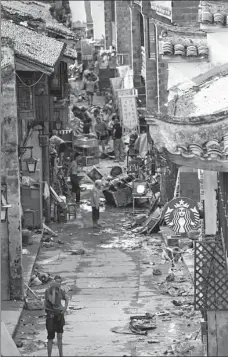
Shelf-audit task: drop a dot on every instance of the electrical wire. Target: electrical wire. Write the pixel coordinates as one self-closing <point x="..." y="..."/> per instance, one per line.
<point x="32" y="85"/>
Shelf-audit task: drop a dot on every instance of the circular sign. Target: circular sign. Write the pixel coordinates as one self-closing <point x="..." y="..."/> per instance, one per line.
<point x="182" y="215"/>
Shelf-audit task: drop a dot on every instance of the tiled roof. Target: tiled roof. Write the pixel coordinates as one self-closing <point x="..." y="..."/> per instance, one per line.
<point x="31" y="45"/>
<point x="213" y="12"/>
<point x="208" y="98"/>
<point x="197" y="135"/>
<point x="34" y="11"/>
<point x="184" y="46"/>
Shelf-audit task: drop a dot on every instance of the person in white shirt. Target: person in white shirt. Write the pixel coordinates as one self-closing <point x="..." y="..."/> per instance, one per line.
<point x="95" y="203"/>
<point x="60" y="144"/>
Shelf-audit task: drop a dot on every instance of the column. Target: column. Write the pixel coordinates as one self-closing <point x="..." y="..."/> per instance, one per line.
<point x="11" y="162"/>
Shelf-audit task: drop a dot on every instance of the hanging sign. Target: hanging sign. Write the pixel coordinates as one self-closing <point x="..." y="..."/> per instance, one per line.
<point x="86" y="49"/>
<point x="124" y="92"/>
<point x="128" y="113"/>
<point x="182" y="215"/>
<point x="122" y="70"/>
<point x="116" y="83"/>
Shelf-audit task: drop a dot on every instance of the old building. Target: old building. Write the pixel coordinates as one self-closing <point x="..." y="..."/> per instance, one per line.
<point x="35" y="53"/>
<point x="144" y="22"/>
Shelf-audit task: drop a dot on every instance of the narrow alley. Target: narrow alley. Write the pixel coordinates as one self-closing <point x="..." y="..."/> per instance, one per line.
<point x="112" y="281"/>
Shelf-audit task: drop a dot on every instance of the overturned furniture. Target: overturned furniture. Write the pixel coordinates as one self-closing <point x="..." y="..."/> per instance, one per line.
<point x="89" y="150"/>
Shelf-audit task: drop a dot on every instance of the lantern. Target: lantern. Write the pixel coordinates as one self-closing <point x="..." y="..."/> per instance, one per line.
<point x="31" y="162"/>
<point x="58" y="124"/>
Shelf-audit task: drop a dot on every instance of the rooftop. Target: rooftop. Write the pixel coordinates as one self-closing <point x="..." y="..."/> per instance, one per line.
<point x="34" y="11"/>
<point x="203" y="99"/>
<point x="32" y="46"/>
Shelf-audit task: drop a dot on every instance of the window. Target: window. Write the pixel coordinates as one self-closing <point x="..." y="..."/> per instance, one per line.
<point x="25" y="95"/>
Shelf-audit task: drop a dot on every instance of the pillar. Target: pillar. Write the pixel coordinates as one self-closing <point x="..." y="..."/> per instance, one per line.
<point x="210" y="202"/>
<point x="123" y="28"/>
<point x="136" y="46"/>
<point x="151" y="66"/>
<point x="11" y="170"/>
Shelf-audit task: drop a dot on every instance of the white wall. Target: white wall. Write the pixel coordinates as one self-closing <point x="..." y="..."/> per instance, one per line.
<point x="218" y="45"/>
<point x="184" y="72"/>
<point x="97" y="8"/>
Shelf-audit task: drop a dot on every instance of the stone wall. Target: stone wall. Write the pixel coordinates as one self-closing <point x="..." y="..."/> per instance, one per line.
<point x="10" y="169"/>
<point x="185" y="13"/>
<point x="123" y="25"/>
<point x="156" y="73"/>
<point x="108" y="23"/>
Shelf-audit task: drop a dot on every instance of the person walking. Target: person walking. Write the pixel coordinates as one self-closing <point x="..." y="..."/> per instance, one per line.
<point x="73" y="173"/>
<point x="55" y="311"/>
<point x="102" y="132"/>
<point x="118" y="143"/>
<point x="90" y="89"/>
<point x="95" y="203"/>
<point x="58" y="143"/>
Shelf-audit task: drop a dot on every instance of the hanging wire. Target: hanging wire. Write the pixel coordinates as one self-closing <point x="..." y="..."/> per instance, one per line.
<point x="32" y="85"/>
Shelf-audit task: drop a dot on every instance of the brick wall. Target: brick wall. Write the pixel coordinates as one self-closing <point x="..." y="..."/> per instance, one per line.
<point x="136" y="45"/>
<point x="185" y="13"/>
<point x="108" y="23"/>
<point x="123" y="25"/>
<point x="154" y="81"/>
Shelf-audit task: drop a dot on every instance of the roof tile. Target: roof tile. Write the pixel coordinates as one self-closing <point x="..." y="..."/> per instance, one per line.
<point x="31" y="45"/>
<point x="34" y="10"/>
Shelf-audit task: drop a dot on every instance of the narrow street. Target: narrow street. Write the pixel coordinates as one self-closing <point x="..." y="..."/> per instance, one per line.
<point x="110" y="282"/>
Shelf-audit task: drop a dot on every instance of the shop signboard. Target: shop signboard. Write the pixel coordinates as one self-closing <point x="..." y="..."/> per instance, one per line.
<point x="128" y="113"/>
<point x="182" y="215"/>
<point x="87" y="50"/>
<point x="123" y="92"/>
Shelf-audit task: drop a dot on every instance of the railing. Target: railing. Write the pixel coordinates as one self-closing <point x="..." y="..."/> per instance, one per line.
<point x="114" y="34"/>
<point x="143" y="63"/>
<point x="223" y="209"/>
<point x="122" y="59"/>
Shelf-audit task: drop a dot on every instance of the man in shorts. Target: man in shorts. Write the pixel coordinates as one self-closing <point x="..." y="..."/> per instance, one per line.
<point x="55" y="313"/>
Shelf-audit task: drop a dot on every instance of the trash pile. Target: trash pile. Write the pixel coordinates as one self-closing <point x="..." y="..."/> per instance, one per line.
<point x="138" y="325"/>
<point x="39" y="277"/>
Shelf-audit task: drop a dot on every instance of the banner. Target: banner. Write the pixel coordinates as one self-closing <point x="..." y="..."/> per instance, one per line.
<point x="116" y="83"/>
<point x="122" y="70"/>
<point x="87" y="50"/>
<point x="128" y="113"/>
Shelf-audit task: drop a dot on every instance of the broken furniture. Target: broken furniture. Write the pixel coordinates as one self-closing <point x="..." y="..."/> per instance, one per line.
<point x="88" y="149"/>
<point x="139" y="190"/>
<point x="72" y="210"/>
<point x="60" y="207"/>
<point x="31" y="201"/>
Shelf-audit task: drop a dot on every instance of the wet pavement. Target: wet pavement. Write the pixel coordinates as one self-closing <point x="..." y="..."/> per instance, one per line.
<point x="112" y="281"/>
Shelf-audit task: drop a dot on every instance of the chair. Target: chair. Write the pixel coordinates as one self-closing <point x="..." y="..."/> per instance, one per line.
<point x="72" y="210"/>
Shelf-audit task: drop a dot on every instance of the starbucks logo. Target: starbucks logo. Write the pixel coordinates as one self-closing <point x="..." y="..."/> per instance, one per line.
<point x="182" y="215"/>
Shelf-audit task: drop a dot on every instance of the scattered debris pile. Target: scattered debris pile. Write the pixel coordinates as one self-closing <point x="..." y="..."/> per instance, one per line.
<point x="138" y="325"/>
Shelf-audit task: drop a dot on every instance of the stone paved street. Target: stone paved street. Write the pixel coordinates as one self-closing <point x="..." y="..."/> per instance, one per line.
<point x="108" y="285"/>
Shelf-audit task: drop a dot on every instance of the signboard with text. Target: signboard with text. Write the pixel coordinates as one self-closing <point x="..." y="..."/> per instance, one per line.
<point x="128" y="113"/>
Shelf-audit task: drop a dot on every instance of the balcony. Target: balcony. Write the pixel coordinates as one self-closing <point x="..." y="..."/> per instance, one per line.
<point x="122" y="59"/>
<point x="114" y="42"/>
<point x="143" y="63"/>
